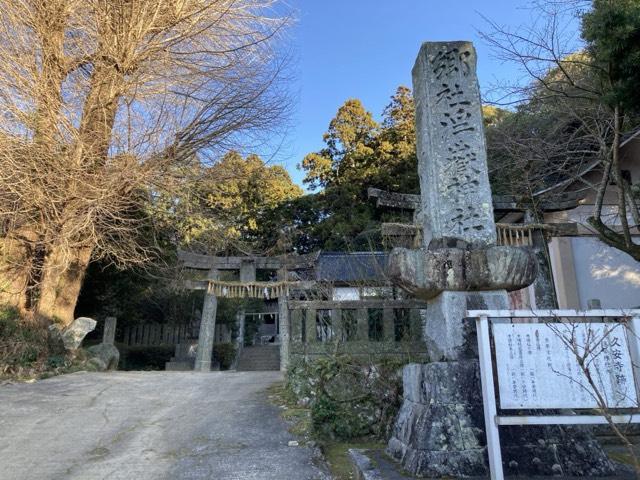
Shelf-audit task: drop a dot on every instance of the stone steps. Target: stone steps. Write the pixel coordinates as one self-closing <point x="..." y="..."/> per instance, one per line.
<point x="178" y="366"/>
<point x="259" y="358"/>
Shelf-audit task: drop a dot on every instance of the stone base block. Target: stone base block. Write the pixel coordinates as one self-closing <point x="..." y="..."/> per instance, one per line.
<point x="176" y="366"/>
<point x="440" y="431"/>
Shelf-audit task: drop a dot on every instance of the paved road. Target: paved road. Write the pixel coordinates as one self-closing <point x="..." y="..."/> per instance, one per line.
<point x="147" y="425"/>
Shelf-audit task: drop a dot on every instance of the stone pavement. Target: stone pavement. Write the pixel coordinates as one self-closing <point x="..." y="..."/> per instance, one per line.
<point x="148" y="425"/>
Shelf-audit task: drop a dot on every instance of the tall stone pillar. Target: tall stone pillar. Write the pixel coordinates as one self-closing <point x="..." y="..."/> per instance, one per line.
<point x="207" y="329"/>
<point x="284" y="322"/>
<point x="440" y="427"/>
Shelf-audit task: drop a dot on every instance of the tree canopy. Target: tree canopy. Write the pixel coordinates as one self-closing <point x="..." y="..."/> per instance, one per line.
<point x="226" y="207"/>
<point x="102" y="102"/>
<point x="573" y="112"/>
<point x="360" y="153"/>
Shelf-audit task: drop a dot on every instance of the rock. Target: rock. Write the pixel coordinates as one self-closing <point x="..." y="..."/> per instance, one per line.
<point x="73" y="335"/>
<point x="439" y="429"/>
<point x="293" y="443"/>
<point x="104" y="357"/>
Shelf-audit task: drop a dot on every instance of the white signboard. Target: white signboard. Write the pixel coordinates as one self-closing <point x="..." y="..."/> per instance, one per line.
<point x="537" y="369"/>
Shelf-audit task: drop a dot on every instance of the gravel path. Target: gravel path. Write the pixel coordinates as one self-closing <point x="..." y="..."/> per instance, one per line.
<point x="148" y="425"/>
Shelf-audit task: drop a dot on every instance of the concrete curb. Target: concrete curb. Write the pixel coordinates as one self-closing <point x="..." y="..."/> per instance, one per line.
<point x="363" y="466"/>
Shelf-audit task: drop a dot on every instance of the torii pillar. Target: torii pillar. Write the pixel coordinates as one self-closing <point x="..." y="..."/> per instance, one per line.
<point x="283" y="322"/>
<point x="207" y="327"/>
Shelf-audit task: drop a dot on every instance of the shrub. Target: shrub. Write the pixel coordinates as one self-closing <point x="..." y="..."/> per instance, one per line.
<point x="349" y="398"/>
<point x="224" y="353"/>
<point x="23" y="344"/>
<point x="144" y="357"/>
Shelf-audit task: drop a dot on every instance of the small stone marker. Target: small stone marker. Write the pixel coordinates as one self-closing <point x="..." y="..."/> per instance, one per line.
<point x="109" y="333"/>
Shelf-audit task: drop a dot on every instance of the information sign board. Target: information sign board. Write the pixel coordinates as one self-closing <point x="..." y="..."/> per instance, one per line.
<point x="537" y="365"/>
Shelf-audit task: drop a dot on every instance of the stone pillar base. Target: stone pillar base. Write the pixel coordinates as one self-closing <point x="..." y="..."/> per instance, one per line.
<point x="440" y="431"/>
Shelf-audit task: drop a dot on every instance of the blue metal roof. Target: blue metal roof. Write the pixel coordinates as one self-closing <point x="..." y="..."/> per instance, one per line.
<point x="351" y="267"/>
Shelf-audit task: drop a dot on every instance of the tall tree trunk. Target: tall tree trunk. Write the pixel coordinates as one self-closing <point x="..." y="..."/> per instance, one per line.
<point x="64" y="273"/>
<point x="64" y="268"/>
<point x="21" y="252"/>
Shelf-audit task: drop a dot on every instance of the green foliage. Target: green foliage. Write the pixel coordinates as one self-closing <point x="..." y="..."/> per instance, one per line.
<point x="612" y="32"/>
<point x="224" y="353"/>
<point x="135" y="297"/>
<point x="56" y="361"/>
<point x="144" y="357"/>
<point x="349" y="398"/>
<point x="337" y="419"/>
<point x="359" y="153"/>
<point x="566" y="123"/>
<point x="225" y="206"/>
<point x="349" y="148"/>
<point x="540" y="145"/>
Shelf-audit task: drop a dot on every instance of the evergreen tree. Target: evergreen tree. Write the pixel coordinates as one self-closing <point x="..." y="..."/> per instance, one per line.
<point x="612" y="32"/>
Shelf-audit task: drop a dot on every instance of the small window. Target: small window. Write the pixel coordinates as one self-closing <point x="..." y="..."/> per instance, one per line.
<point x="376" y="326"/>
<point x="349" y="325"/>
<point x="401" y="324"/>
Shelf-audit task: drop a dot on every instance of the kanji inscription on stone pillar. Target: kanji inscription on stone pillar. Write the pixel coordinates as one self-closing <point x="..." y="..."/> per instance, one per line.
<point x="452" y="159"/>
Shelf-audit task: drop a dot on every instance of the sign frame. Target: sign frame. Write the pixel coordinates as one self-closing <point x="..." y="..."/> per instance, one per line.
<point x="491" y="418"/>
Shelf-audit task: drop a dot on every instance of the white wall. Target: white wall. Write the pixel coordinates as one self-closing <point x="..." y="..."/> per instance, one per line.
<point x="346" y="293"/>
<point x="605" y="273"/>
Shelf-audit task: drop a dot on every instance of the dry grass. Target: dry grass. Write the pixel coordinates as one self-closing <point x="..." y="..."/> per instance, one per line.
<point x="23" y="346"/>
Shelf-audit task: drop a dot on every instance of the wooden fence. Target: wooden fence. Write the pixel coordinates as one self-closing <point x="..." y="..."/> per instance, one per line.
<point x="515" y="235"/>
<point x="152" y="334"/>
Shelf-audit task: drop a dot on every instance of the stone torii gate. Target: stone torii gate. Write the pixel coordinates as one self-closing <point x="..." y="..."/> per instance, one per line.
<point x="246" y="287"/>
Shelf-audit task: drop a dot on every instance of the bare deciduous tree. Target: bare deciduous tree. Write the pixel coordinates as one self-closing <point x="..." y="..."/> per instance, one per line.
<point x="579" y="127"/>
<point x="101" y="101"/>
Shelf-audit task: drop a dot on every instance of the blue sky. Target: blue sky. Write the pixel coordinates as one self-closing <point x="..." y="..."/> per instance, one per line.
<point x="366" y="48"/>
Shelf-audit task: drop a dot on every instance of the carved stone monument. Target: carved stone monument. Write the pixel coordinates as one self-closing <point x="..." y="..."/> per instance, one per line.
<point x="440" y="428"/>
